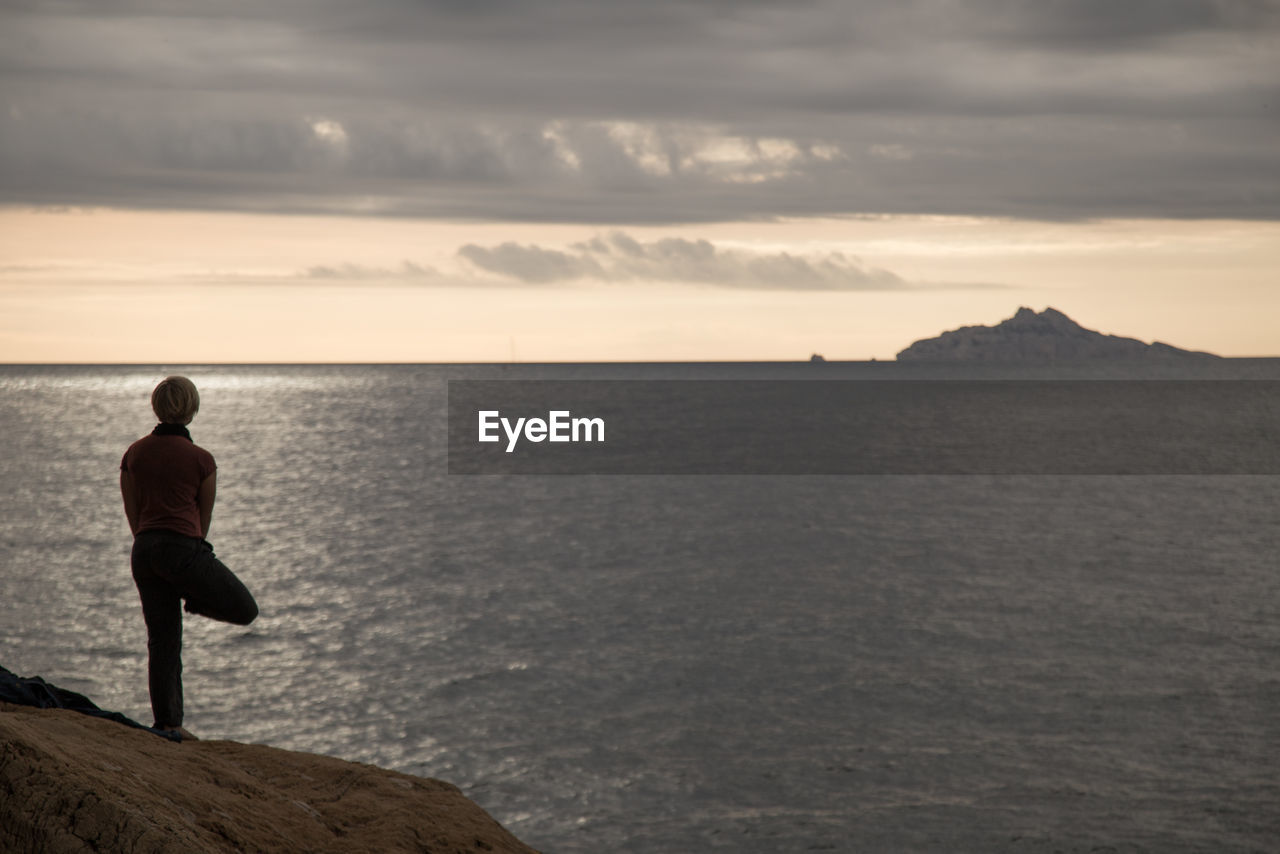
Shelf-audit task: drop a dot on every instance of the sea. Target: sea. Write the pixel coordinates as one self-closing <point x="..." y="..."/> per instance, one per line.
<point x="662" y="664"/>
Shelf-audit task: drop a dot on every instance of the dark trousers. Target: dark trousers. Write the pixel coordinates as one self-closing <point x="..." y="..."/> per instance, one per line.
<point x="169" y="568"/>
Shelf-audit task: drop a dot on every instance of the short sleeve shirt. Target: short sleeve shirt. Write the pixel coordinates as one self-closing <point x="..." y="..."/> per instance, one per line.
<point x="167" y="472"/>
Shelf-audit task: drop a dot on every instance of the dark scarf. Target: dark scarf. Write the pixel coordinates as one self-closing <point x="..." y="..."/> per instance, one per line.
<point x="172" y="430"/>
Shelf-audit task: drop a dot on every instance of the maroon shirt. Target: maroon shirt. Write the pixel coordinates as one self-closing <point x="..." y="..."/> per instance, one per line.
<point x="167" y="472"/>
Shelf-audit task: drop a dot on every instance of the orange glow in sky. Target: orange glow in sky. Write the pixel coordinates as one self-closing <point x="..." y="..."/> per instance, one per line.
<point x="123" y="286"/>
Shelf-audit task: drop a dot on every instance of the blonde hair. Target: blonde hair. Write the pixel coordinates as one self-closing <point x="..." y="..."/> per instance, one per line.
<point x="175" y="400"/>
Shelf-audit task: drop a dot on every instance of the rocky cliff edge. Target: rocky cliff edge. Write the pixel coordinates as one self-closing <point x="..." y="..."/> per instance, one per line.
<point x="73" y="783"/>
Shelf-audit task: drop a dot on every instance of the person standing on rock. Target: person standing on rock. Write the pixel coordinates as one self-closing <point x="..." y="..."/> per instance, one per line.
<point x="168" y="484"/>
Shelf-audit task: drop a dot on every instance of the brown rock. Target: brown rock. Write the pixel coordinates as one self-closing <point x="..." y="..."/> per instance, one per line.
<point x="74" y="783"/>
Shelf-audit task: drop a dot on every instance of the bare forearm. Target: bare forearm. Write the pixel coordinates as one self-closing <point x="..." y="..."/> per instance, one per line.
<point x="204" y="500"/>
<point x="130" y="496"/>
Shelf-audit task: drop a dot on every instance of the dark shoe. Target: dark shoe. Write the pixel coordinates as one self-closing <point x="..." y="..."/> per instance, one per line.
<point x="183" y="733"/>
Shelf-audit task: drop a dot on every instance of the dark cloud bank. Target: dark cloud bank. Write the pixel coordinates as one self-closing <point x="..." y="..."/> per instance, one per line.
<point x="653" y="112"/>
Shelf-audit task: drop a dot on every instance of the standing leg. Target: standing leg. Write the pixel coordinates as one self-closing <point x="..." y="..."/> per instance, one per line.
<point x="162" y="611"/>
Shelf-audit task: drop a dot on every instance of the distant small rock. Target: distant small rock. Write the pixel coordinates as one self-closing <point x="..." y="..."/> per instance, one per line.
<point x="816" y="357"/>
<point x="1049" y="336"/>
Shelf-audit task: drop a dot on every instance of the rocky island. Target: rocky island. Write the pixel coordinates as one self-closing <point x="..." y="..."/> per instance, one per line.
<point x="73" y="783"/>
<point x="1049" y="336"/>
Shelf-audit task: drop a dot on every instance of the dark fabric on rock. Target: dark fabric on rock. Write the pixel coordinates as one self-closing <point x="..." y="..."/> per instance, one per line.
<point x="34" y="691"/>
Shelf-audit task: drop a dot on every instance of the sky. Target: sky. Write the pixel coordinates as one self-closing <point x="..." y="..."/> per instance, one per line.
<point x="563" y="180"/>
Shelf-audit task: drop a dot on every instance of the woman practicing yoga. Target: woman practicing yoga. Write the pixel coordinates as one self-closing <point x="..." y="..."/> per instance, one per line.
<point x="168" y="483"/>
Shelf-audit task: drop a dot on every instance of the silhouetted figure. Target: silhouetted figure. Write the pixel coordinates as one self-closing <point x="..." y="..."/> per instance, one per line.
<point x="168" y="484"/>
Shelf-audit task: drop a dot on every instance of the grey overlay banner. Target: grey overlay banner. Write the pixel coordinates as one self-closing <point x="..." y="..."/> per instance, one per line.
<point x="865" y="427"/>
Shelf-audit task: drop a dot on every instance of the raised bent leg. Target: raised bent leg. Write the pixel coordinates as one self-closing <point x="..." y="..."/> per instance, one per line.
<point x="213" y="591"/>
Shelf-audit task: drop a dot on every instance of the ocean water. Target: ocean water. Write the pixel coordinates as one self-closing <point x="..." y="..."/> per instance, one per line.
<point x="678" y="663"/>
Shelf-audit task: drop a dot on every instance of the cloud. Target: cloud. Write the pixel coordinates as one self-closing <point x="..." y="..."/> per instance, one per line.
<point x="407" y="270"/>
<point x="533" y="263"/>
<point x="617" y="257"/>
<point x="1103" y="23"/>
<point x="659" y="112"/>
